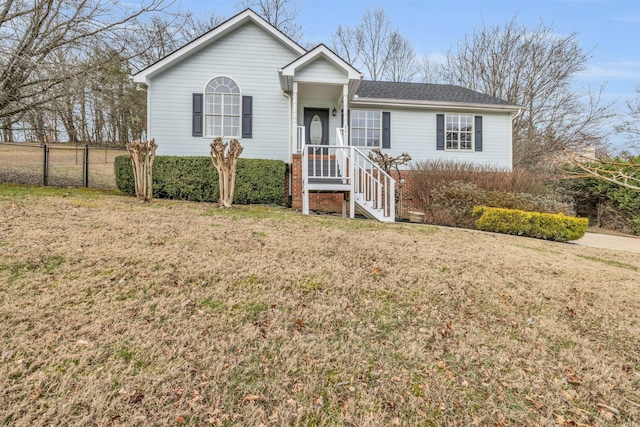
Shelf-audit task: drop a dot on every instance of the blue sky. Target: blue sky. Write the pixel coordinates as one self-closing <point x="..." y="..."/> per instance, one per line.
<point x="609" y="29"/>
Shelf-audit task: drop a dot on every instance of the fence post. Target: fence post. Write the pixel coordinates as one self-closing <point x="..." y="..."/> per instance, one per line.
<point x="85" y="167"/>
<point x="45" y="166"/>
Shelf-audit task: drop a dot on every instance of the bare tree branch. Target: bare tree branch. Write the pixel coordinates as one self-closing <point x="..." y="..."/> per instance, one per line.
<point x="282" y="14"/>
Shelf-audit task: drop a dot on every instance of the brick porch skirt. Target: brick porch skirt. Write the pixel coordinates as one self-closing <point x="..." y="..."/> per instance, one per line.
<point x="332" y="202"/>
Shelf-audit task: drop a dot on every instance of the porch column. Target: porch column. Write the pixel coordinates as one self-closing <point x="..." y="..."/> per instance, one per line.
<point x="345" y="108"/>
<point x="294" y="118"/>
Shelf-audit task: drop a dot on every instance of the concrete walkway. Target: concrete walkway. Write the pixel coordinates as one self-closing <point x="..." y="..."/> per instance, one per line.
<point x="605" y="241"/>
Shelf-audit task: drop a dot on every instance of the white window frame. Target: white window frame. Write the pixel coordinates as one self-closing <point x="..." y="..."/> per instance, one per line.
<point x="366" y="128"/>
<point x="459" y="132"/>
<point x="226" y="100"/>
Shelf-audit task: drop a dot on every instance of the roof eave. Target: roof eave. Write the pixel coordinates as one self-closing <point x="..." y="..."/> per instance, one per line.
<point x="433" y="104"/>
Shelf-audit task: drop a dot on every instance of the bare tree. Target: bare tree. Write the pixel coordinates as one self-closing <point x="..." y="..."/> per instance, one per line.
<point x="282" y="14"/>
<point x="374" y="34"/>
<point x="534" y="68"/>
<point x="374" y="47"/>
<point x="346" y="43"/>
<point x="630" y="126"/>
<point x="400" y="64"/>
<point x="163" y="33"/>
<point x="142" y="155"/>
<point x="225" y="160"/>
<point x="33" y="32"/>
<point x="430" y="71"/>
<point x="622" y="170"/>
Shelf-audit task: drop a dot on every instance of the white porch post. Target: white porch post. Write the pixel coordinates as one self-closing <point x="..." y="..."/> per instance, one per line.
<point x="345" y="108"/>
<point x="294" y="118"/>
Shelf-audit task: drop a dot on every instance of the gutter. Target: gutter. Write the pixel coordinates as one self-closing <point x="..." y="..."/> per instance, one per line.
<point x="357" y="101"/>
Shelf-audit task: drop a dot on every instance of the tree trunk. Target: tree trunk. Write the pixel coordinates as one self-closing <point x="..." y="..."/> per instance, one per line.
<point x="225" y="163"/>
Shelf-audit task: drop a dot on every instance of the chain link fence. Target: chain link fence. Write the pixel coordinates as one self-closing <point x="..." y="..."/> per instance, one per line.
<point x="59" y="165"/>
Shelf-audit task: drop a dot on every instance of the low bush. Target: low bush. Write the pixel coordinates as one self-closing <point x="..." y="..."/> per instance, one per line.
<point x="428" y="175"/>
<point x="452" y="203"/>
<point x="195" y="179"/>
<point x="558" y="227"/>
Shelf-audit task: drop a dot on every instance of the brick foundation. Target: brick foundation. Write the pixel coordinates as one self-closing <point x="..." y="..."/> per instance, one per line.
<point x="332" y="202"/>
<point x="321" y="202"/>
<point x="409" y="203"/>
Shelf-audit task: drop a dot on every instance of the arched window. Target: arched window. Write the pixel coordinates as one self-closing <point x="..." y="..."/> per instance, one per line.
<point x="222" y="108"/>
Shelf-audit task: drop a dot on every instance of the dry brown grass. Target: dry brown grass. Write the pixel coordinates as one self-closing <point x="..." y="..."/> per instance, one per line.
<point x="120" y="313"/>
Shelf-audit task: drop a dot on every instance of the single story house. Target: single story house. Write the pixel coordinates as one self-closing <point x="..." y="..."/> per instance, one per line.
<point x="245" y="79"/>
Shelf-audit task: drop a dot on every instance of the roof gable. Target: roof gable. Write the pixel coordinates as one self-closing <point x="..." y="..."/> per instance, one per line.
<point x="321" y="51"/>
<point x="216" y="33"/>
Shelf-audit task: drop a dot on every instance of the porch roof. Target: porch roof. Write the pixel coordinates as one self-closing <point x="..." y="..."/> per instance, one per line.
<point x="288" y="72"/>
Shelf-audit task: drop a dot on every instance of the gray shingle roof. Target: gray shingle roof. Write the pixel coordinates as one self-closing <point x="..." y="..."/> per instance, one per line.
<point x="425" y="92"/>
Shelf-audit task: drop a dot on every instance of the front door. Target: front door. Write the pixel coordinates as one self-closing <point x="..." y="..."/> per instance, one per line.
<point x="316" y="124"/>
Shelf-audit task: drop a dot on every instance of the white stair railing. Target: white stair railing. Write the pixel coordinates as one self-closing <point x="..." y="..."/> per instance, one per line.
<point x="370" y="187"/>
<point x="373" y="187"/>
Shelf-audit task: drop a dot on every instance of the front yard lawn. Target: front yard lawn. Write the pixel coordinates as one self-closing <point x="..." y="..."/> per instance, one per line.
<point x="114" y="312"/>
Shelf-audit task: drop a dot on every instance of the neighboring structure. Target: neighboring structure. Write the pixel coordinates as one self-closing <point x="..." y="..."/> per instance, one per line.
<point x="245" y="79"/>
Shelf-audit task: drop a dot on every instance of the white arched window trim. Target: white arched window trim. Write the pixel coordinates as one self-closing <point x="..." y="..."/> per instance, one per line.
<point x="222" y="108"/>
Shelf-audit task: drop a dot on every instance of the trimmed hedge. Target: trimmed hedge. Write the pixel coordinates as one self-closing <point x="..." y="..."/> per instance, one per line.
<point x="194" y="178"/>
<point x="558" y="227"/>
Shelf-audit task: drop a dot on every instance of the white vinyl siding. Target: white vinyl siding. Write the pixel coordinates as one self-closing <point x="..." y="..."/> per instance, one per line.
<point x="321" y="71"/>
<point x="251" y="57"/>
<point x="413" y="131"/>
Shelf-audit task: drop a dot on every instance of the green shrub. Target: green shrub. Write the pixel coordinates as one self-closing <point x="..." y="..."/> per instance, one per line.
<point x="558" y="227"/>
<point x="195" y="178"/>
<point x="607" y="204"/>
<point x="453" y="203"/>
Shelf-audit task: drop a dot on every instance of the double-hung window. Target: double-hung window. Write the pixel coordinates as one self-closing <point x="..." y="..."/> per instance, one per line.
<point x="459" y="132"/>
<point x="222" y="108"/>
<point x="366" y="128"/>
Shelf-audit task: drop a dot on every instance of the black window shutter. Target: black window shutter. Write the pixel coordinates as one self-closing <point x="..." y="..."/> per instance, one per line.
<point x="247" y="112"/>
<point x="386" y="129"/>
<point x="439" y="131"/>
<point x="478" y="131"/>
<point x="196" y="127"/>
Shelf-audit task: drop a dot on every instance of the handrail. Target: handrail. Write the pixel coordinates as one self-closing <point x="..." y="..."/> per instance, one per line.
<point x="370" y="185"/>
<point x="375" y="185"/>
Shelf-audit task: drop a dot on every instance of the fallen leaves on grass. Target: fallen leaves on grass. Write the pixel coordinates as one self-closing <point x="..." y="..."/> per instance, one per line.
<point x="36" y="394"/>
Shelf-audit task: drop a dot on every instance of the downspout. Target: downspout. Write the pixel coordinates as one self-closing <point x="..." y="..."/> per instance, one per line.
<point x="290" y="165"/>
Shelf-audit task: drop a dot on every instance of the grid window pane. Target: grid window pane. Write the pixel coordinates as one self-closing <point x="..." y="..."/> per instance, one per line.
<point x="452" y="140"/>
<point x="459" y="129"/>
<point x="223" y="108"/>
<point x="217" y="104"/>
<point x="365" y="128"/>
<point x="373" y="137"/>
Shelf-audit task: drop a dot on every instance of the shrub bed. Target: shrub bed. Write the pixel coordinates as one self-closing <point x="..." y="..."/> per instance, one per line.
<point x="452" y="203"/>
<point x="194" y="178"/>
<point x="447" y="191"/>
<point x="558" y="227"/>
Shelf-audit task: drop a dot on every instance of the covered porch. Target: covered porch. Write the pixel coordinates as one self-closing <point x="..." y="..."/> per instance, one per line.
<point x="320" y="86"/>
